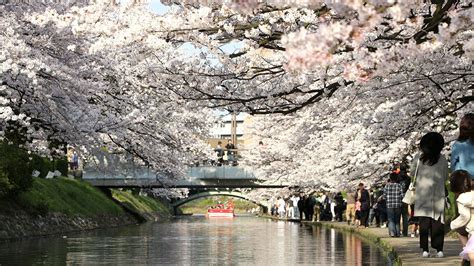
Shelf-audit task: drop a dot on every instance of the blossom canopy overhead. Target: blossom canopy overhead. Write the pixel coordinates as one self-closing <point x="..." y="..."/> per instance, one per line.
<point x="338" y="88"/>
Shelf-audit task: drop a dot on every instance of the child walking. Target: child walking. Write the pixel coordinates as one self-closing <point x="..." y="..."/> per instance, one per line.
<point x="461" y="185"/>
<point x="357" y="214"/>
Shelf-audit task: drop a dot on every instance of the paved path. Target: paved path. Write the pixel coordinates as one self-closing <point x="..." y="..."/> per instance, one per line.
<point x="406" y="248"/>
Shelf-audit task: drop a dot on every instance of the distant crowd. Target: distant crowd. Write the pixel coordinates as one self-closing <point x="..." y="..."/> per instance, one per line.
<point x="412" y="201"/>
<point x="362" y="207"/>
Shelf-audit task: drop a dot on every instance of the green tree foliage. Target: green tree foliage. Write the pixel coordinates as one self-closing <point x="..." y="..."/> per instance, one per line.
<point x="5" y="185"/>
<point x="15" y="169"/>
<point x="17" y="164"/>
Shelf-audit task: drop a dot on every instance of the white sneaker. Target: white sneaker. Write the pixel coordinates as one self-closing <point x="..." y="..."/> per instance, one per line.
<point x="426" y="254"/>
<point x="440" y="254"/>
<point x="412" y="235"/>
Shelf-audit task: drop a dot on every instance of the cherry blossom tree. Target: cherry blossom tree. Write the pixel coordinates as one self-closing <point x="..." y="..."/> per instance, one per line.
<point x="339" y="88"/>
<point x="55" y="90"/>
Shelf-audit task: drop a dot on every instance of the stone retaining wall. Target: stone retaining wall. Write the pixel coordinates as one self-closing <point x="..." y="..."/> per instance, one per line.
<point x="20" y="225"/>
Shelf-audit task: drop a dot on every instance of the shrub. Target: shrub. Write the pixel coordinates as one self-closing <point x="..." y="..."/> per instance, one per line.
<point x="15" y="169"/>
<point x="61" y="165"/>
<point x="5" y="185"/>
<point x="17" y="165"/>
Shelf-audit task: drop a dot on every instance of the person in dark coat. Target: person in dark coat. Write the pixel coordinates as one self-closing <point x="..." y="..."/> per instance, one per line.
<point x="302" y="206"/>
<point x="310" y="201"/>
<point x="380" y="210"/>
<point x="326" y="214"/>
<point x="404" y="180"/>
<point x="363" y="197"/>
<point x="339" y="206"/>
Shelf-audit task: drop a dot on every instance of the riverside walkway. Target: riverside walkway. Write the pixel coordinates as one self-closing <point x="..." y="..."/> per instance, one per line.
<point x="405" y="249"/>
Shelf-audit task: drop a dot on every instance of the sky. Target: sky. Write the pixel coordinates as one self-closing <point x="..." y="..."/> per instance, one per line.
<point x="157" y="7"/>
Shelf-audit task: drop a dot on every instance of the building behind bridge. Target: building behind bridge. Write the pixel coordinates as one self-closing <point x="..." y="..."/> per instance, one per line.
<point x="234" y="129"/>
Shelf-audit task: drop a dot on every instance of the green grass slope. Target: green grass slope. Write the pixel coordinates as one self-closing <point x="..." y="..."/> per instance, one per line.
<point x="63" y="195"/>
<point x="140" y="204"/>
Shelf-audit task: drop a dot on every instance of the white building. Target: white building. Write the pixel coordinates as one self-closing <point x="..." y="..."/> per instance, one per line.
<point x="222" y="130"/>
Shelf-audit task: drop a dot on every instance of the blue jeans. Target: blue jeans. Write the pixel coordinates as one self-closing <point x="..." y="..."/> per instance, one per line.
<point x="371" y="215"/>
<point x="393" y="215"/>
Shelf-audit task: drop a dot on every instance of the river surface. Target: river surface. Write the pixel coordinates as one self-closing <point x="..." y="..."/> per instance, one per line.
<point x="198" y="241"/>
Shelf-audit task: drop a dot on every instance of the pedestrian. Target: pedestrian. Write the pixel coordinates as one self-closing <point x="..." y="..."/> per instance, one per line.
<point x="413" y="221"/>
<point x="393" y="193"/>
<point x="274" y="210"/>
<point x="404" y="181"/>
<point x="350" y="209"/>
<point x="461" y="183"/>
<point x="339" y="208"/>
<point x="381" y="210"/>
<point x="75" y="160"/>
<point x="310" y="202"/>
<point x="374" y="212"/>
<point x="291" y="209"/>
<point x="219" y="153"/>
<point x="296" y="211"/>
<point x="301" y="205"/>
<point x="317" y="211"/>
<point x="325" y="208"/>
<point x="373" y="205"/>
<point x="332" y="204"/>
<point x="462" y="150"/>
<point x="431" y="170"/>
<point x="281" y="207"/>
<point x="357" y="214"/>
<point x="230" y="148"/>
<point x="364" y="198"/>
<point x="69" y="154"/>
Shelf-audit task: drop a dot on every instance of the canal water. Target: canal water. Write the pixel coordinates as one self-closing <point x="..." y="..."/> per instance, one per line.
<point x="198" y="241"/>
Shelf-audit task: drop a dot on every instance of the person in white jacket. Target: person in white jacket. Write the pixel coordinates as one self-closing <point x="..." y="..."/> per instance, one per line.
<point x="461" y="183"/>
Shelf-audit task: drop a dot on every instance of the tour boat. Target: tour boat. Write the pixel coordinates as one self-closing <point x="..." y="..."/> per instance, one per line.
<point x="220" y="211"/>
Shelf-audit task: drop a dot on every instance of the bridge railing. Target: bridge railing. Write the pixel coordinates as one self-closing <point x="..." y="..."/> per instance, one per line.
<point x="105" y="165"/>
<point x="195" y="172"/>
<point x="220" y="172"/>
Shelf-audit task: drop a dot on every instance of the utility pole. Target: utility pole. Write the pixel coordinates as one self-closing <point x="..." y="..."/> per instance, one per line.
<point x="233" y="129"/>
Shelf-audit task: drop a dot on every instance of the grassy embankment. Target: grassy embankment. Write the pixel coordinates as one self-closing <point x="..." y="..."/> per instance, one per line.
<point x="140" y="204"/>
<point x="74" y="197"/>
<point x="201" y="205"/>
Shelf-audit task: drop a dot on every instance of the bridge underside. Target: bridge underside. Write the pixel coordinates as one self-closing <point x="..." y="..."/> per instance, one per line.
<point x="201" y="184"/>
<point x="202" y="194"/>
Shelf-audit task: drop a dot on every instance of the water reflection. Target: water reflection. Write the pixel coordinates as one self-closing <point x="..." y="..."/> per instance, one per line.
<point x="199" y="241"/>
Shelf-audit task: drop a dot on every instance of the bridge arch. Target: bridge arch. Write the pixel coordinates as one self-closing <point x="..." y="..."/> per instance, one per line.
<point x="204" y="194"/>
